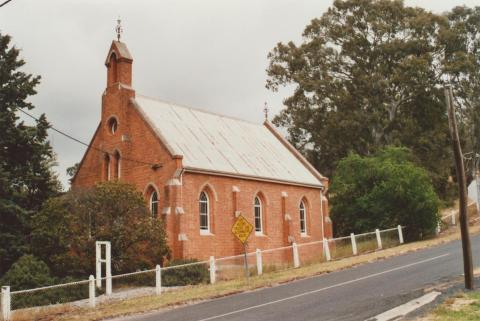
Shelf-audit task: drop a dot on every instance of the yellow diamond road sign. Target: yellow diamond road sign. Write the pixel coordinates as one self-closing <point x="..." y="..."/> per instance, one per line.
<point x="242" y="228"/>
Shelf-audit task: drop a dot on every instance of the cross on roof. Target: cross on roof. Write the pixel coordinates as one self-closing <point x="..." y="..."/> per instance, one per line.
<point x="119" y="28"/>
<point x="265" y="110"/>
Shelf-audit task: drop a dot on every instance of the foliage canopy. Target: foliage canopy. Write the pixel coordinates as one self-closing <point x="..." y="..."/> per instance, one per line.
<point x="367" y="75"/>
<point x="26" y="157"/>
<point x="382" y="191"/>
<point x="65" y="230"/>
<point x="460" y="39"/>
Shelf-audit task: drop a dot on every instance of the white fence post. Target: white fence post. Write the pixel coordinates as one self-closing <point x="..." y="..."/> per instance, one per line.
<point x="108" y="265"/>
<point x="258" y="253"/>
<point x="158" y="280"/>
<point x="296" y="258"/>
<point x="6" y="300"/>
<point x="91" y="291"/>
<point x="98" y="260"/>
<point x="400" y="234"/>
<point x="453" y="218"/>
<point x="326" y="249"/>
<point x="354" y="244"/>
<point x="213" y="268"/>
<point x="108" y="269"/>
<point x="379" y="239"/>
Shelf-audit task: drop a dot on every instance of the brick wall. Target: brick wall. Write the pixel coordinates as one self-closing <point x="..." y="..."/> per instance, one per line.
<point x="222" y="198"/>
<point x="178" y="193"/>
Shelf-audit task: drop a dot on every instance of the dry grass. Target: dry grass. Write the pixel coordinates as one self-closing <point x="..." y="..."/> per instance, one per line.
<point x="192" y="294"/>
<point x="463" y="306"/>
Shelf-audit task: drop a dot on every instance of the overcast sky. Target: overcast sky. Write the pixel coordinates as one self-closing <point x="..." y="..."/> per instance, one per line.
<point x="210" y="54"/>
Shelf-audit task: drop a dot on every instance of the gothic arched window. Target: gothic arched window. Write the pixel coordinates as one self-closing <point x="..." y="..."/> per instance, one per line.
<point x="258" y="215"/>
<point x="204" y="210"/>
<point x="303" y="218"/>
<point x="154" y="203"/>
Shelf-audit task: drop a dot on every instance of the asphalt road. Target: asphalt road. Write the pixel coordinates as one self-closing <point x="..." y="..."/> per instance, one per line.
<point x="354" y="294"/>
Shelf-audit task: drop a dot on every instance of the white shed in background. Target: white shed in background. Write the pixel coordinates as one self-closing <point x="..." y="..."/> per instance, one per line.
<point x="474" y="191"/>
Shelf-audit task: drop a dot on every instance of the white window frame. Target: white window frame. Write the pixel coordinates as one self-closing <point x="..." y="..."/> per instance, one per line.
<point x="303" y="217"/>
<point x="119" y="167"/>
<point x="112" y="125"/>
<point x="203" y="230"/>
<point x="258" y="207"/>
<point x="154" y="192"/>
<point x="113" y="128"/>
<point x="108" y="160"/>
<point x="118" y="163"/>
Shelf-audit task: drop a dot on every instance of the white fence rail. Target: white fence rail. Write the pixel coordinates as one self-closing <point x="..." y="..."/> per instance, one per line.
<point x="451" y="218"/>
<point x="149" y="282"/>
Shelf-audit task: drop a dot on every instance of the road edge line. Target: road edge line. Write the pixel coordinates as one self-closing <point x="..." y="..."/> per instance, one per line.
<point x="404" y="309"/>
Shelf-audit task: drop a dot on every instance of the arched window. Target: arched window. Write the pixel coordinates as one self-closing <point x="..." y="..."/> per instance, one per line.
<point x="258" y="211"/>
<point x="112" y="125"/>
<point x="112" y="70"/>
<point x="117" y="165"/>
<point x="204" y="213"/>
<point x="303" y="218"/>
<point x="106" y="167"/>
<point x="154" y="203"/>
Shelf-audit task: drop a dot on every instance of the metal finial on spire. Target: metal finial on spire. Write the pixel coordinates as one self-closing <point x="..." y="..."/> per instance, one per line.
<point x="119" y="28"/>
<point x="265" y="110"/>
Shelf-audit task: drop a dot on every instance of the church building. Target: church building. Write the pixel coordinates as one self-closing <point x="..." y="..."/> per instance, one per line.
<point x="199" y="171"/>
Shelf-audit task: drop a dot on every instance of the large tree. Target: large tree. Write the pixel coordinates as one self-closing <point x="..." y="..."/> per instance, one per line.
<point x="65" y="230"/>
<point x="26" y="157"/>
<point x="365" y="76"/>
<point x="461" y="67"/>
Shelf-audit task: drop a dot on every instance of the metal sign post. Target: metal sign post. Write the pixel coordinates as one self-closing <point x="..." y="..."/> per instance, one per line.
<point x="242" y="230"/>
<point x="247" y="274"/>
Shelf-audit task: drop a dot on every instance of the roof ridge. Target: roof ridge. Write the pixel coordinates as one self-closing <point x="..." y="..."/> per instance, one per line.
<point x="200" y="110"/>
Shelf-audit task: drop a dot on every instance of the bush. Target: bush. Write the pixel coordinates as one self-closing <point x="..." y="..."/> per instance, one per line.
<point x="29" y="273"/>
<point x="189" y="275"/>
<point x="65" y="230"/>
<point x="382" y="191"/>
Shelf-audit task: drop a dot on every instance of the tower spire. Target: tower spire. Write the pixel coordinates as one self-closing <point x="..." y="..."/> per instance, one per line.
<point x="119" y="28"/>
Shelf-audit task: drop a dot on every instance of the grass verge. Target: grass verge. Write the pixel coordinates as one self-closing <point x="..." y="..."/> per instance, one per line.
<point x="194" y="294"/>
<point x="463" y="306"/>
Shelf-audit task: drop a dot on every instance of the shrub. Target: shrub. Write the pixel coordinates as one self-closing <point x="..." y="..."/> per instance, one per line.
<point x="65" y="230"/>
<point x="382" y="191"/>
<point x="29" y="273"/>
<point x="189" y="275"/>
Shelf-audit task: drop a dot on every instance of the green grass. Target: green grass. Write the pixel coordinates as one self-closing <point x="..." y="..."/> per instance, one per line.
<point x="463" y="307"/>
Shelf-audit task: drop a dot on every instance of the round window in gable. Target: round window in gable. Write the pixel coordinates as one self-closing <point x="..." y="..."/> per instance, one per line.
<point x="112" y="125"/>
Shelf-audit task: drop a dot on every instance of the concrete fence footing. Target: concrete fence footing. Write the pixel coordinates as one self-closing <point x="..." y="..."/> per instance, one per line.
<point x="6" y="303"/>
<point x="258" y="254"/>
<point x="158" y="280"/>
<point x="213" y="268"/>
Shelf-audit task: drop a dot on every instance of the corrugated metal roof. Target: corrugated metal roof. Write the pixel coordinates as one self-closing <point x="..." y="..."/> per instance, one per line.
<point x="224" y="144"/>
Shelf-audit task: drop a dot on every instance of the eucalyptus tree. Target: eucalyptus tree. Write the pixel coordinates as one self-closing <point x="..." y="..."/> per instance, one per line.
<point x="461" y="67"/>
<point x="366" y="75"/>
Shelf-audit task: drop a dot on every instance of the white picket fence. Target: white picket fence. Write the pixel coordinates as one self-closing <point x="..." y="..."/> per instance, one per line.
<point x="219" y="268"/>
<point x="451" y="218"/>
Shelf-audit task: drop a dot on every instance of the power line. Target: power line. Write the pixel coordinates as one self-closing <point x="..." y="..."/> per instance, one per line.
<point x="153" y="165"/>
<point x="4" y="3"/>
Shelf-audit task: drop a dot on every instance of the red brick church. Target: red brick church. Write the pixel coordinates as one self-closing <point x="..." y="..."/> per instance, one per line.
<point x="198" y="170"/>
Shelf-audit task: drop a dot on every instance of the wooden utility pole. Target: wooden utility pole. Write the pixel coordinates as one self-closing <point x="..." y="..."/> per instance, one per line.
<point x="462" y="188"/>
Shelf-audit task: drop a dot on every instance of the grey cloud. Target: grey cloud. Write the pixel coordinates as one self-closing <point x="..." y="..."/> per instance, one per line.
<point x="209" y="54"/>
